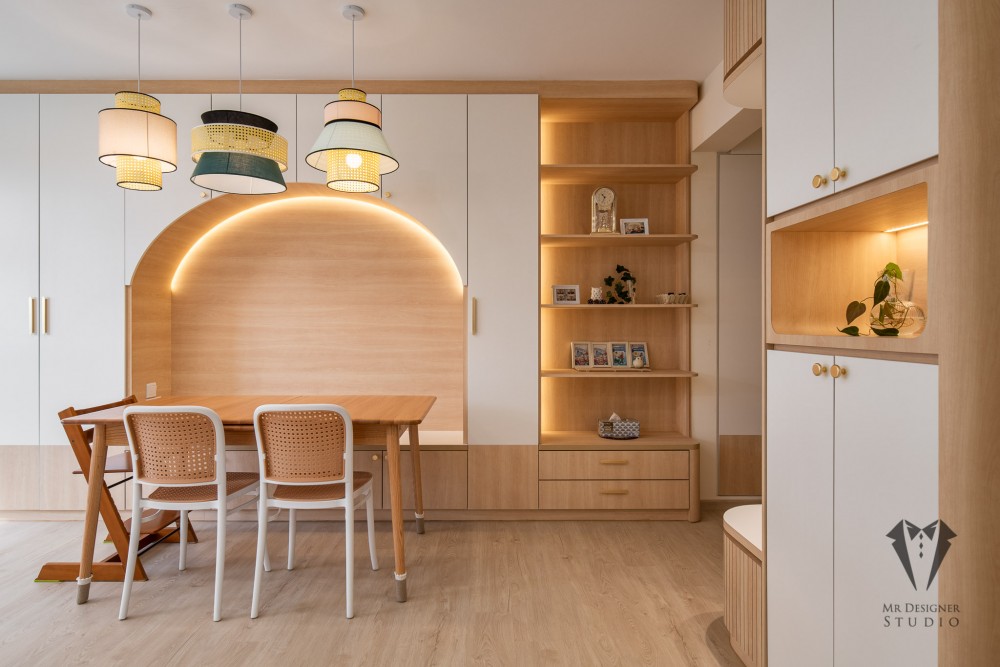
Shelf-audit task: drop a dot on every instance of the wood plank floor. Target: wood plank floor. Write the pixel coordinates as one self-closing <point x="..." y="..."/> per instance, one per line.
<point x="481" y="593"/>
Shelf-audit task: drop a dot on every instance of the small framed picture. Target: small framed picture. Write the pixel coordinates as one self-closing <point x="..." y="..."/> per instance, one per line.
<point x="581" y="355"/>
<point x="619" y="355"/>
<point x="637" y="351"/>
<point x="635" y="226"/>
<point x="565" y="295"/>
<point x="600" y="355"/>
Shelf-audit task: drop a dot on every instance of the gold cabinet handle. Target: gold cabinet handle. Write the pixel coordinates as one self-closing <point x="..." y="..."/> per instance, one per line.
<point x="615" y="492"/>
<point x="838" y="173"/>
<point x="32" y="324"/>
<point x="614" y="462"/>
<point x="819" y="181"/>
<point x="45" y="315"/>
<point x="387" y="194"/>
<point x="475" y="316"/>
<point x="818" y="369"/>
<point x="837" y="371"/>
<point x="374" y="457"/>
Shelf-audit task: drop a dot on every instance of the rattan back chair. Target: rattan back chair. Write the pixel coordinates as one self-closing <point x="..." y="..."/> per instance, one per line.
<point x="306" y="455"/>
<point x="182" y="452"/>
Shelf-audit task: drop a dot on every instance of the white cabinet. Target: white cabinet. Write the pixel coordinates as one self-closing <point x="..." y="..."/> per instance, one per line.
<point x="19" y="264"/>
<point x="847" y="461"/>
<point x="81" y="263"/>
<point x="799" y="511"/>
<point x="851" y="84"/>
<point x="502" y="394"/>
<point x="428" y="134"/>
<point x="149" y="213"/>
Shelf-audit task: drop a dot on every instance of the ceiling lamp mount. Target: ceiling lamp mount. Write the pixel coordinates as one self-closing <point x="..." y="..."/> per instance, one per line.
<point x="133" y="137"/>
<point x="238" y="152"/>
<point x="351" y="148"/>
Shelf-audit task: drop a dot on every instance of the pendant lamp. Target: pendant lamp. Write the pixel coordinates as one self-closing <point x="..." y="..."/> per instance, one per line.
<point x="351" y="148"/>
<point x="133" y="137"/>
<point x="237" y="152"/>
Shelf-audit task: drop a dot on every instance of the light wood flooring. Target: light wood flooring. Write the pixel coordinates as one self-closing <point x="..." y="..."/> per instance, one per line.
<point x="481" y="593"/>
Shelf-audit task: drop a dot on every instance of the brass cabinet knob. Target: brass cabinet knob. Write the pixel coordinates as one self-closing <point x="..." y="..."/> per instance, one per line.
<point x="374" y="457"/>
<point x="838" y="173"/>
<point x="387" y="194"/>
<point x="819" y="181"/>
<point x="819" y="369"/>
<point x="837" y="371"/>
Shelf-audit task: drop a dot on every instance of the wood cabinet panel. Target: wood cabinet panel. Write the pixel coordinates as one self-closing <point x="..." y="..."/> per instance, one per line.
<point x="503" y="477"/>
<point x="612" y="464"/>
<point x="445" y="477"/>
<point x="613" y="495"/>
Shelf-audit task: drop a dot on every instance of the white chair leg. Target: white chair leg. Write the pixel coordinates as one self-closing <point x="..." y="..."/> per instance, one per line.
<point x="261" y="556"/>
<point x="349" y="548"/>
<point x="133" y="550"/>
<point x="184" y="540"/>
<point x="291" y="539"/>
<point x="370" y="510"/>
<point x="220" y="559"/>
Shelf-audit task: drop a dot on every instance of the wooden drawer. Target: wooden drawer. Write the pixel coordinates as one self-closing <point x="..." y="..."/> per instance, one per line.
<point x="613" y="495"/>
<point x="611" y="464"/>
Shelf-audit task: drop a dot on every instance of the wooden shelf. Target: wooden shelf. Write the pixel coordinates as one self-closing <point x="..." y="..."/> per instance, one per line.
<point x="614" y="240"/>
<point x="615" y="374"/>
<point x="619" y="306"/>
<point x="655" y="440"/>
<point x="595" y="174"/>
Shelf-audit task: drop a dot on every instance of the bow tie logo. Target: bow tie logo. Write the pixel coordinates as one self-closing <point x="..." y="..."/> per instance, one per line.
<point x="904" y="529"/>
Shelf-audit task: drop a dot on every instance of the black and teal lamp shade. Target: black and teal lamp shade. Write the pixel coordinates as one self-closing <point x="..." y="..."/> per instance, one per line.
<point x="238" y="153"/>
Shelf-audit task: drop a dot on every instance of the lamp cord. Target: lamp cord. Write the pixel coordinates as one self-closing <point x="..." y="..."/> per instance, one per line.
<point x="138" y="68"/>
<point x="353" y="53"/>
<point x="241" y="62"/>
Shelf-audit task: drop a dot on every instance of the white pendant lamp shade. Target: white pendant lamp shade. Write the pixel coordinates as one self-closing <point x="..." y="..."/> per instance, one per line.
<point x="134" y="138"/>
<point x="351" y="148"/>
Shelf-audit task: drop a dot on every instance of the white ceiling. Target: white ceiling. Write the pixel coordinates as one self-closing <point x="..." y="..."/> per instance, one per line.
<point x="399" y="39"/>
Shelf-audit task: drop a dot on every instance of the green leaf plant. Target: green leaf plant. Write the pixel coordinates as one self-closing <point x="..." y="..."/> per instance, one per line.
<point x="618" y="291"/>
<point x="888" y="314"/>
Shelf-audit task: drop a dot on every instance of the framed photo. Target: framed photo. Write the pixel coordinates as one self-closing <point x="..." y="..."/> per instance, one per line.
<point x="581" y="355"/>
<point x="600" y="355"/>
<point x="638" y="351"/>
<point x="565" y="295"/>
<point x="635" y="226"/>
<point x="619" y="355"/>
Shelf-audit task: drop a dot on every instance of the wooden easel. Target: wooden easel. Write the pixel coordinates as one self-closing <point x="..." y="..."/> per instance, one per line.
<point x="157" y="527"/>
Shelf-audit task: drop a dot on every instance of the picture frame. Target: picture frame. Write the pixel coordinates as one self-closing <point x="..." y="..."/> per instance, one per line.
<point x="579" y="355"/>
<point x="619" y="355"/>
<point x="600" y="355"/>
<point x="630" y="226"/>
<point x="638" y="349"/>
<point x="565" y="295"/>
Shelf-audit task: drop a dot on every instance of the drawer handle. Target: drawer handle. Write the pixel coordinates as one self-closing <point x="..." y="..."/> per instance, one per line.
<point x="374" y="457"/>
<point x="614" y="462"/>
<point x="615" y="492"/>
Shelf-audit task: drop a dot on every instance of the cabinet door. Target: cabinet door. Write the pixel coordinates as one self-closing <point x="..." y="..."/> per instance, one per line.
<point x="886" y="471"/>
<point x="799" y="90"/>
<point x="799" y="511"/>
<point x="428" y="135"/>
<point x="19" y="269"/>
<point x="886" y="85"/>
<point x="503" y="269"/>
<point x="279" y="109"/>
<point x="149" y="213"/>
<point x="82" y="263"/>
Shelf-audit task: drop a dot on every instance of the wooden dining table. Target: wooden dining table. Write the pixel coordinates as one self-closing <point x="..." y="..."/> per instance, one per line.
<point x="378" y="420"/>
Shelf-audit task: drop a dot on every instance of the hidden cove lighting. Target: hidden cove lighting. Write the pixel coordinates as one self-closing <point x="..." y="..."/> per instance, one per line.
<point x="133" y="137"/>
<point x="351" y="148"/>
<point x="237" y="152"/>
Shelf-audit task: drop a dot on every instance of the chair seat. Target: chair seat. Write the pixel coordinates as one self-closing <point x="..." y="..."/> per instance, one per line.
<point x="320" y="491"/>
<point x="235" y="481"/>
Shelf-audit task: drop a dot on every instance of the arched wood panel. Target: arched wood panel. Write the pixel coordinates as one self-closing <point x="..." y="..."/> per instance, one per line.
<point x="306" y="292"/>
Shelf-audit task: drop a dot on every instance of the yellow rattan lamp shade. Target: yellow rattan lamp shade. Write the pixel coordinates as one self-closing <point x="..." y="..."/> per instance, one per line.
<point x="139" y="142"/>
<point x="353" y="171"/>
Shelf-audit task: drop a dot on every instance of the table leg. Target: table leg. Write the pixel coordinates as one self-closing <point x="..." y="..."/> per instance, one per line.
<point x="98" y="461"/>
<point x="396" y="505"/>
<point x="418" y="491"/>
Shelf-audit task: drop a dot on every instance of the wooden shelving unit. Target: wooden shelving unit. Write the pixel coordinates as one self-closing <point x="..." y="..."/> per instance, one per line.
<point x="640" y="148"/>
